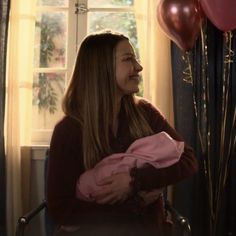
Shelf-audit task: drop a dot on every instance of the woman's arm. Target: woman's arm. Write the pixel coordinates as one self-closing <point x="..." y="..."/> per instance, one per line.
<point x="149" y="177"/>
<point x="64" y="167"/>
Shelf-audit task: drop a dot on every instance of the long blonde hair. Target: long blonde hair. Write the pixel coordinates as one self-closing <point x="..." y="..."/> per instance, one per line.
<point x="90" y="97"/>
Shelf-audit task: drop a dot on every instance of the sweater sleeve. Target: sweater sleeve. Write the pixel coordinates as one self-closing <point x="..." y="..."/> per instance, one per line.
<point x="64" y="167"/>
<point x="149" y="177"/>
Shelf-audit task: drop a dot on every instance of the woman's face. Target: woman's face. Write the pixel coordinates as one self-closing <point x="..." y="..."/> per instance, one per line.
<point x="127" y="69"/>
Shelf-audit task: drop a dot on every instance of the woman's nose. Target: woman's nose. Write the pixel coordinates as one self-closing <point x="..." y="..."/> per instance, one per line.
<point x="138" y="66"/>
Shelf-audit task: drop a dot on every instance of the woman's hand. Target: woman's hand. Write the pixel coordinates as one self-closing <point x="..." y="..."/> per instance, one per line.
<point x="150" y="197"/>
<point x="115" y="189"/>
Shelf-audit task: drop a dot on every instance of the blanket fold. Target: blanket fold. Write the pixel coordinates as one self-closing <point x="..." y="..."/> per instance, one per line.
<point x="158" y="150"/>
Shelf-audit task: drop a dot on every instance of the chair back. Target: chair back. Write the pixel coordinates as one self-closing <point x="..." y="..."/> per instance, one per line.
<point x="49" y="224"/>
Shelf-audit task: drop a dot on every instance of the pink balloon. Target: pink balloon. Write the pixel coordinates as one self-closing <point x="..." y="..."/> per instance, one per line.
<point x="222" y="13"/>
<point x="181" y="20"/>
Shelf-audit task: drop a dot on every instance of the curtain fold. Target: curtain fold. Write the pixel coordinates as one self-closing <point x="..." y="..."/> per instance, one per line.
<point x="154" y="49"/>
<point x="19" y="102"/>
<point x="186" y="197"/>
<point x="12" y="132"/>
<point x="210" y="128"/>
<point x="4" y="17"/>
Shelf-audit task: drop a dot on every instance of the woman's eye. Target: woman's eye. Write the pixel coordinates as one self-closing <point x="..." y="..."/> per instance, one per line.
<point x="128" y="59"/>
<point x="131" y="59"/>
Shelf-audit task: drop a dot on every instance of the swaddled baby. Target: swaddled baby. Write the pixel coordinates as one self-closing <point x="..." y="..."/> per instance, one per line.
<point x="158" y="150"/>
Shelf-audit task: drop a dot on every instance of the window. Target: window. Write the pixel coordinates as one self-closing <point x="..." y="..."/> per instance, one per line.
<point x="50" y="65"/>
<point x="59" y="28"/>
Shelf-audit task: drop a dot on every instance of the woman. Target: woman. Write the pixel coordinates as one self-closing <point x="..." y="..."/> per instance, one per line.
<point x="102" y="117"/>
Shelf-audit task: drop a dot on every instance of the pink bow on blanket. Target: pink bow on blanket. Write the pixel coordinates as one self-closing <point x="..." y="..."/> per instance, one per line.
<point x="158" y="150"/>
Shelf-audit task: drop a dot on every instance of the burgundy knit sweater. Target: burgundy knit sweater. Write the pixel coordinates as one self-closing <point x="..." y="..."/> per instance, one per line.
<point x="66" y="165"/>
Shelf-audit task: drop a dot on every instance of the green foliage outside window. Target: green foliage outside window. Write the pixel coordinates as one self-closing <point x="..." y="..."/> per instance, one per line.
<point x="122" y="2"/>
<point x="45" y="95"/>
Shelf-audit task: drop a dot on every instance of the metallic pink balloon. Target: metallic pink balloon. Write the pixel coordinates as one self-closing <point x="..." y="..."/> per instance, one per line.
<point x="222" y="13"/>
<point x="181" y="20"/>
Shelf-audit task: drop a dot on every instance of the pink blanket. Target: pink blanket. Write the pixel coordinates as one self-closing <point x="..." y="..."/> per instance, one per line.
<point x="158" y="150"/>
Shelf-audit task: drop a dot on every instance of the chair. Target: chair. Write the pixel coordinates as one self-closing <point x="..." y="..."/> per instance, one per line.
<point x="27" y="218"/>
<point x="181" y="223"/>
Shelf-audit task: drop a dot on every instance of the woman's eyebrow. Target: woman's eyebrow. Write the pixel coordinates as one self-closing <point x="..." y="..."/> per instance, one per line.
<point x="128" y="54"/>
<point x="125" y="54"/>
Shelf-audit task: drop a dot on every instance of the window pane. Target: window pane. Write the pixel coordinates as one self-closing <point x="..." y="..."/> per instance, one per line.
<point x="48" y="89"/>
<point x="121" y="22"/>
<point x="50" y="40"/>
<point x="110" y="3"/>
<point x="56" y="3"/>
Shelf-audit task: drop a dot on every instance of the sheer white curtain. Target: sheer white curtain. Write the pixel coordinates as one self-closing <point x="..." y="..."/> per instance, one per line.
<point x="19" y="101"/>
<point x="155" y="57"/>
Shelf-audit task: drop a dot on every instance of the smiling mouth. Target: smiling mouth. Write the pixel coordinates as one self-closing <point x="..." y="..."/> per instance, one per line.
<point x="136" y="77"/>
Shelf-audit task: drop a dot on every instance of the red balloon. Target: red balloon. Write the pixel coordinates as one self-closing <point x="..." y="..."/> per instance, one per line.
<point x="222" y="13"/>
<point x="181" y="20"/>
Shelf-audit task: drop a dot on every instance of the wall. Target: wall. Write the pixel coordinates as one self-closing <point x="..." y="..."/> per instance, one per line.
<point x="33" y="161"/>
